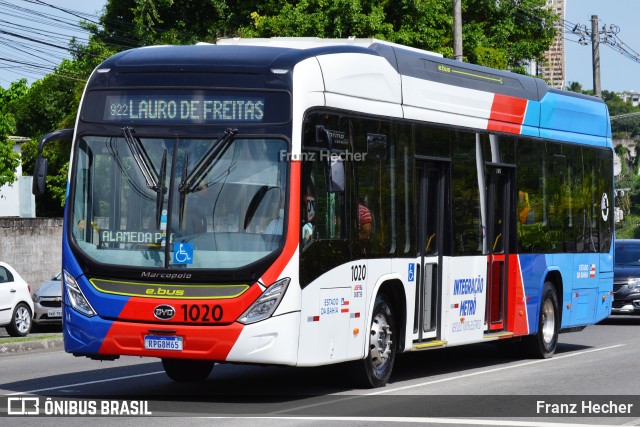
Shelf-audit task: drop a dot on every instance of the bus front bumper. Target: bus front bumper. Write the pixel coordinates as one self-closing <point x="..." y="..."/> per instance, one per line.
<point x="271" y="341"/>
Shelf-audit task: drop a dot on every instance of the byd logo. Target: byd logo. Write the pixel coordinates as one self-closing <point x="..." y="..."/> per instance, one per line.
<point x="164" y="312"/>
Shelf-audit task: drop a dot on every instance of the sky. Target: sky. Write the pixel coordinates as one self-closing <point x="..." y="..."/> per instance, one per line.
<point x="617" y="72"/>
<point x="20" y="57"/>
<point x="34" y="35"/>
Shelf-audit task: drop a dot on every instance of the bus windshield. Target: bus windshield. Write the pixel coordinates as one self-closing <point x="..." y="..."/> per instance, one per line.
<point x="172" y="202"/>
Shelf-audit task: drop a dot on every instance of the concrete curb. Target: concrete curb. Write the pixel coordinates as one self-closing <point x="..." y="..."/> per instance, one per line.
<point x="12" y="348"/>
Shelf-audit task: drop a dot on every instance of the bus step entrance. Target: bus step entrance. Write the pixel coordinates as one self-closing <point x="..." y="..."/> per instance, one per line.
<point x="429" y="345"/>
<point x="497" y="335"/>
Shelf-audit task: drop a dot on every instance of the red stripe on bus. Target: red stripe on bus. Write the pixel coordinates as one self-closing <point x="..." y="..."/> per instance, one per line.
<point x="199" y="342"/>
<point x="517" y="305"/>
<point x="293" y="228"/>
<point x="507" y="114"/>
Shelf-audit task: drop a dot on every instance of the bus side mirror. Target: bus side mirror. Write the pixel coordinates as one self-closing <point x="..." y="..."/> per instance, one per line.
<point x="40" y="167"/>
<point x="39" y="176"/>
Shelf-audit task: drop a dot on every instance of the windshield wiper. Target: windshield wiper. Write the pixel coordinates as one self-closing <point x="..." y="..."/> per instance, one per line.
<point x="142" y="159"/>
<point x="149" y="173"/>
<point x="161" y="189"/>
<point x="191" y="182"/>
<point x="183" y="179"/>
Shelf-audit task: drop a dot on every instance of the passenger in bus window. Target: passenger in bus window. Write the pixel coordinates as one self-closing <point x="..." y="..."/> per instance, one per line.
<point x="275" y="225"/>
<point x="308" y="214"/>
<point x="365" y="222"/>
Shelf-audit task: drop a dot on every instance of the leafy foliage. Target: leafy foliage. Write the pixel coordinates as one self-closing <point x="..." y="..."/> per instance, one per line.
<point x="502" y="34"/>
<point x="9" y="159"/>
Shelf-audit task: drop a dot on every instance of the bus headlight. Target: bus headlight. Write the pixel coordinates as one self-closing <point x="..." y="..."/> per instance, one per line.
<point x="77" y="300"/>
<point x="264" y="306"/>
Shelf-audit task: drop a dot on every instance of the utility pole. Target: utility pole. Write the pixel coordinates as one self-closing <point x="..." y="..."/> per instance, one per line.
<point x="457" y="30"/>
<point x="595" y="49"/>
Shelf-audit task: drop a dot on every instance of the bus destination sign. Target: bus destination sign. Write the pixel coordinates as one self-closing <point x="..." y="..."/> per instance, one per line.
<point x="184" y="109"/>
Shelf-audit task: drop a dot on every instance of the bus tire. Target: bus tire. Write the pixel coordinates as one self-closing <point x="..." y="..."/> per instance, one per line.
<point x="542" y="345"/>
<point x="20" y="321"/>
<point x="184" y="370"/>
<point x="376" y="368"/>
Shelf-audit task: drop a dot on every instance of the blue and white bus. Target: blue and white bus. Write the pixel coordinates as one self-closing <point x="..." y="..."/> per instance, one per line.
<point x="306" y="202"/>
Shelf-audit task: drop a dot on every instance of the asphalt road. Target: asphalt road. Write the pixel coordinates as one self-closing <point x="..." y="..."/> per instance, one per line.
<point x="482" y="384"/>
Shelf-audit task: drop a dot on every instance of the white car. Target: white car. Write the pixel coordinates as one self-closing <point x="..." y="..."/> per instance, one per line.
<point x="16" y="305"/>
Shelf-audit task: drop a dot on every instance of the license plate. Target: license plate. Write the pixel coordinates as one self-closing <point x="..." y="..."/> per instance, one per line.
<point x="54" y="313"/>
<point x="152" y="342"/>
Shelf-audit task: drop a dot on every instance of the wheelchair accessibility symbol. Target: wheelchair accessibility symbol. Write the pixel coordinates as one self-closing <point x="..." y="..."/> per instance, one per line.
<point x="183" y="253"/>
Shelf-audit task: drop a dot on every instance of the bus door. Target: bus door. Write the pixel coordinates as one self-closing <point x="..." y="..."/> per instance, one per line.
<point x="432" y="183"/>
<point x="499" y="182"/>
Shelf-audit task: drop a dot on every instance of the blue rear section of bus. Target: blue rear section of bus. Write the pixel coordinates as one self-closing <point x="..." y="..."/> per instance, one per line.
<point x="586" y="280"/>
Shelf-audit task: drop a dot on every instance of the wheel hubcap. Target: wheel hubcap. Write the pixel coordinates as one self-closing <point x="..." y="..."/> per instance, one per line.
<point x="380" y="341"/>
<point x="23" y="320"/>
<point x="548" y="322"/>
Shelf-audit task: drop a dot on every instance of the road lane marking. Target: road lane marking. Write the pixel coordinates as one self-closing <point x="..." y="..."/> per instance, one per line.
<point x="349" y="397"/>
<point x="357" y="396"/>
<point x="490" y="371"/>
<point x="85" y="383"/>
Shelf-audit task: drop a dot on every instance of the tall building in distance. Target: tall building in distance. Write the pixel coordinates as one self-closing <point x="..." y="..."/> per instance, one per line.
<point x="553" y="69"/>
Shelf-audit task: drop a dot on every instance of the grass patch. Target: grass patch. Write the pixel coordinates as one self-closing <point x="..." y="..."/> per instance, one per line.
<point x="24" y="339"/>
<point x="628" y="228"/>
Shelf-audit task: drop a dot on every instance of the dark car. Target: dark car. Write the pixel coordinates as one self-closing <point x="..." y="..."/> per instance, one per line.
<point x="626" y="277"/>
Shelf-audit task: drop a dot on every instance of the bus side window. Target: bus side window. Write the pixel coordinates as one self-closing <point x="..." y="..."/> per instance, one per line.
<point x="322" y="212"/>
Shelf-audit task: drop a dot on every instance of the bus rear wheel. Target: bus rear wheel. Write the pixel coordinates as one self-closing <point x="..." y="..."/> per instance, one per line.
<point x="375" y="369"/>
<point x="184" y="370"/>
<point x="543" y="344"/>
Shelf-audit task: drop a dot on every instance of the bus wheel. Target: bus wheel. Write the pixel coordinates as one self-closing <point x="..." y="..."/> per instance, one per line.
<point x="20" y="321"/>
<point x="183" y="370"/>
<point x="543" y="344"/>
<point x="377" y="366"/>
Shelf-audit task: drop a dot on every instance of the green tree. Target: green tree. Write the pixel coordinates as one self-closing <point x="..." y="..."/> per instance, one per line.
<point x="52" y="103"/>
<point x="133" y="23"/>
<point x="9" y="159"/>
<point x="515" y="31"/>
<point x="504" y="34"/>
<point x="575" y="87"/>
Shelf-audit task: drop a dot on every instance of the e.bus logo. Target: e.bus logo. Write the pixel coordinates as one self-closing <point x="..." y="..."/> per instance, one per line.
<point x="164" y="312"/>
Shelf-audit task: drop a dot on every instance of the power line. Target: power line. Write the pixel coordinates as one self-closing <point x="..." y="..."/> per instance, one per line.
<point x="607" y="36"/>
<point x="34" y="41"/>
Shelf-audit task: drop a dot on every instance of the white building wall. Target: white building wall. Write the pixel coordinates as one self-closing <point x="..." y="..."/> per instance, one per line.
<point x="16" y="199"/>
